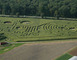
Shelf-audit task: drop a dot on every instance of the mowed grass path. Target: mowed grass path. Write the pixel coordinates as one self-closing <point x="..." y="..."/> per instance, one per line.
<point x="38" y="51"/>
<point x="32" y="29"/>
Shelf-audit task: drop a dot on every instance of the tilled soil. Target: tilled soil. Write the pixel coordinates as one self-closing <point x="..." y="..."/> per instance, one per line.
<point x="38" y="51"/>
<point x="73" y="52"/>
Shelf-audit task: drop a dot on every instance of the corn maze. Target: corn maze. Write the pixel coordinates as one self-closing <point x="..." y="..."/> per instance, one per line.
<point x="22" y="28"/>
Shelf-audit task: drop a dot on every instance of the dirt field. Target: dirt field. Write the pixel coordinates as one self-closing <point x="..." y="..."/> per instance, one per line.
<point x="73" y="52"/>
<point x="38" y="51"/>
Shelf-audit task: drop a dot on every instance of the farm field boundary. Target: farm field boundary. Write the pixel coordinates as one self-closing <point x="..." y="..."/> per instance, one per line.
<point x="41" y="51"/>
<point x="67" y="55"/>
<point x="31" y="29"/>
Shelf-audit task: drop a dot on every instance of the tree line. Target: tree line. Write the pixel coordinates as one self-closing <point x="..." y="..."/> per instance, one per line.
<point x="43" y="8"/>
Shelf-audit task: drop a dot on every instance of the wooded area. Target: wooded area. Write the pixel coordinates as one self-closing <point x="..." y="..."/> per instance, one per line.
<point x="43" y="8"/>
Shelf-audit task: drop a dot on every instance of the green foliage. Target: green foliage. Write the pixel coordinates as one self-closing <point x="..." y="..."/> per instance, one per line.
<point x="43" y="9"/>
<point x="39" y="7"/>
<point x="64" y="57"/>
<point x="17" y="14"/>
<point x="57" y="14"/>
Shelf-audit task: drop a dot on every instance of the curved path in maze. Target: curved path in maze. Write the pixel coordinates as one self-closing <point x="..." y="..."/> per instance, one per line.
<point x="39" y="51"/>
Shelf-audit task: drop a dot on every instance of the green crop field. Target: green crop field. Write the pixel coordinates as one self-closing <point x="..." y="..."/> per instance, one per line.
<point x="64" y="57"/>
<point x="33" y="29"/>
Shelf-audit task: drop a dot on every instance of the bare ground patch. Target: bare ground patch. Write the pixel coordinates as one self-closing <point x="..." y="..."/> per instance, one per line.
<point x="73" y="52"/>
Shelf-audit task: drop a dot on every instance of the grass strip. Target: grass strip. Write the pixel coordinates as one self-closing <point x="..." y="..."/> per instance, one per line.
<point x="64" y="57"/>
<point x="9" y="47"/>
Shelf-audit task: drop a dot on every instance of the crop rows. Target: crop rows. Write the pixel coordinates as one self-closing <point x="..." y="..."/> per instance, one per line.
<point x="51" y="27"/>
<point x="27" y="30"/>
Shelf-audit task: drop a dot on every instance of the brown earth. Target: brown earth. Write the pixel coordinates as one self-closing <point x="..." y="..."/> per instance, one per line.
<point x="73" y="52"/>
<point x="38" y="51"/>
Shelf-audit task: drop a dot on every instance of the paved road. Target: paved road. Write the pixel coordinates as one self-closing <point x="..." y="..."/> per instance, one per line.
<point x="38" y="51"/>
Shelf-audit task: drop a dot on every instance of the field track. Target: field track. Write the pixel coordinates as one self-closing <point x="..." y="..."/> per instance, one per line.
<point x="39" y="51"/>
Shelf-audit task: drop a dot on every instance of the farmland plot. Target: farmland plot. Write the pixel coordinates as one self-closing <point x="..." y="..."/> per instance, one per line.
<point x="38" y="51"/>
<point x="30" y="29"/>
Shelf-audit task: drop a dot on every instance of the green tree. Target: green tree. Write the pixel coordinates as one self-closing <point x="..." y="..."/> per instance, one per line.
<point x="56" y="14"/>
<point x="43" y="9"/>
<point x="65" y="8"/>
<point x="64" y="11"/>
<point x="0" y="9"/>
<point x="17" y="14"/>
<point x="73" y="11"/>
